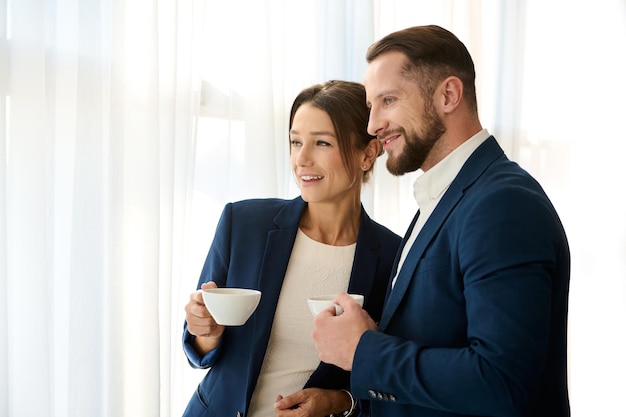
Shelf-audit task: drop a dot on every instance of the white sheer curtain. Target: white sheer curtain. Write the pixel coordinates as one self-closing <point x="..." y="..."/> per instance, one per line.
<point x="110" y="186"/>
<point x="97" y="106"/>
<point x="571" y="137"/>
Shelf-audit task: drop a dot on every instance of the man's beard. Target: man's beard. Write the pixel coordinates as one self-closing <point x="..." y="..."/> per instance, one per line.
<point x="417" y="147"/>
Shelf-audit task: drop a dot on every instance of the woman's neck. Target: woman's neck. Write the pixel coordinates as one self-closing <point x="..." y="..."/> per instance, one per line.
<point x="332" y="224"/>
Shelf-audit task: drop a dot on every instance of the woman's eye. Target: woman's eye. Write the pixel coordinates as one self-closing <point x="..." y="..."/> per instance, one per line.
<point x="295" y="143"/>
<point x="323" y="143"/>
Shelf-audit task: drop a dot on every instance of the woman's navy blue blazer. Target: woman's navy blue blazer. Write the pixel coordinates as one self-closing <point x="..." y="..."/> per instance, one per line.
<point x="251" y="249"/>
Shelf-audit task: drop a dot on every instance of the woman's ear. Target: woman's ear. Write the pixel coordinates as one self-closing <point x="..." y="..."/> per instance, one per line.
<point x="372" y="151"/>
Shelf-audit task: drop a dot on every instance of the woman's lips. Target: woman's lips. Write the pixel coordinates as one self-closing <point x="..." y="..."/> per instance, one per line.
<point x="308" y="179"/>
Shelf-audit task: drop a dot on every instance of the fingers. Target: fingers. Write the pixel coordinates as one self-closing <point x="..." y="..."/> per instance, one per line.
<point x="196" y="302"/>
<point x="199" y="319"/>
<point x="336" y="338"/>
<point x="328" y="312"/>
<point x="285" y="403"/>
<point x="346" y="302"/>
<point x="195" y="307"/>
<point x="292" y="401"/>
<point x="207" y="285"/>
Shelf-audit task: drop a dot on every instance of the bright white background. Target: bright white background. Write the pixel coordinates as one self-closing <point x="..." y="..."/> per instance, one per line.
<point x="126" y="125"/>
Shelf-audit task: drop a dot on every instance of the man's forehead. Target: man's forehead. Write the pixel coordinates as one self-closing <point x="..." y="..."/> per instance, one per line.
<point x="383" y="80"/>
<point x="384" y="66"/>
<point x="389" y="60"/>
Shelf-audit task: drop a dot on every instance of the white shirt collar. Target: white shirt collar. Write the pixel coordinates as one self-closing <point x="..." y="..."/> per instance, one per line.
<point x="431" y="184"/>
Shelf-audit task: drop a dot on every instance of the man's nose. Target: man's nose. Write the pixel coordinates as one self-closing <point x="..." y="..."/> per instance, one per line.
<point x="375" y="124"/>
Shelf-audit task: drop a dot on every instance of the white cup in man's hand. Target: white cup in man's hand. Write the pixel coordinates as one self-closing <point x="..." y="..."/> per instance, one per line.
<point x="322" y="302"/>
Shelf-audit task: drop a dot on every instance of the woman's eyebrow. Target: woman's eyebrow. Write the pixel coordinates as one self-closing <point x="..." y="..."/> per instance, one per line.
<point x="314" y="133"/>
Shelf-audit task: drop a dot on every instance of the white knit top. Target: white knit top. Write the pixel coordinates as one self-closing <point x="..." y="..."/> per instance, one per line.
<point x="314" y="269"/>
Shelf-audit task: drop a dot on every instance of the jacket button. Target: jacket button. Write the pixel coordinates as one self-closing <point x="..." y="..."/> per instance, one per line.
<point x="371" y="393"/>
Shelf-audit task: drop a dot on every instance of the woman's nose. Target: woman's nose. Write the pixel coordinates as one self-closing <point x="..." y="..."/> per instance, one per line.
<point x="303" y="156"/>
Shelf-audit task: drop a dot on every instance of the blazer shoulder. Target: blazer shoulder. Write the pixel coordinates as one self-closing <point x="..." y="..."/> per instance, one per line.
<point x="384" y="234"/>
<point x="488" y="167"/>
<point x="260" y="210"/>
<point x="259" y="204"/>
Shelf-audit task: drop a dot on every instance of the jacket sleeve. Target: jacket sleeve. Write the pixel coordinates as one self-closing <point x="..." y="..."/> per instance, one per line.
<point x="215" y="269"/>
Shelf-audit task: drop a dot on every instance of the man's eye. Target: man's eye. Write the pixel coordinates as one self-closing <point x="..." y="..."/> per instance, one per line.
<point x="388" y="100"/>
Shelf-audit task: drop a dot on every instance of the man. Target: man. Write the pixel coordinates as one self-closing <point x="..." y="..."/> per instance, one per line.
<point x="475" y="320"/>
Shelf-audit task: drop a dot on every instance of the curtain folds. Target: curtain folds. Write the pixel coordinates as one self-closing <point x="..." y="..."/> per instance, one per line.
<point x="99" y="102"/>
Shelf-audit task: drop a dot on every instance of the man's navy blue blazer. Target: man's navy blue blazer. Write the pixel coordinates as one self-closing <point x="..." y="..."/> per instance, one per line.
<point x="476" y="324"/>
<point x="251" y="249"/>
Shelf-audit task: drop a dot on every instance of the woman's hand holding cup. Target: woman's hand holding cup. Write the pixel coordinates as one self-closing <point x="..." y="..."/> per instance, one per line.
<point x="200" y="322"/>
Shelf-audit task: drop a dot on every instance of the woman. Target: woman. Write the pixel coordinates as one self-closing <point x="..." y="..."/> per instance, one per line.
<point x="322" y="242"/>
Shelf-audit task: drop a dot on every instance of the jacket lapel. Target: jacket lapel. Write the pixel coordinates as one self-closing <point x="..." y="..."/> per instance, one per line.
<point x="476" y="164"/>
<point x="365" y="258"/>
<point x="274" y="265"/>
<point x="396" y="261"/>
<point x="416" y="252"/>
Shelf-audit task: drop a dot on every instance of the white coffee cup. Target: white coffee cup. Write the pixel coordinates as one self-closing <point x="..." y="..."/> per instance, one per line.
<point x="231" y="306"/>
<point x="322" y="302"/>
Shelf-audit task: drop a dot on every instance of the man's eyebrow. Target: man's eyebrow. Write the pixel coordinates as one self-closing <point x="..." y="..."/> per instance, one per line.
<point x="388" y="92"/>
<point x="384" y="93"/>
